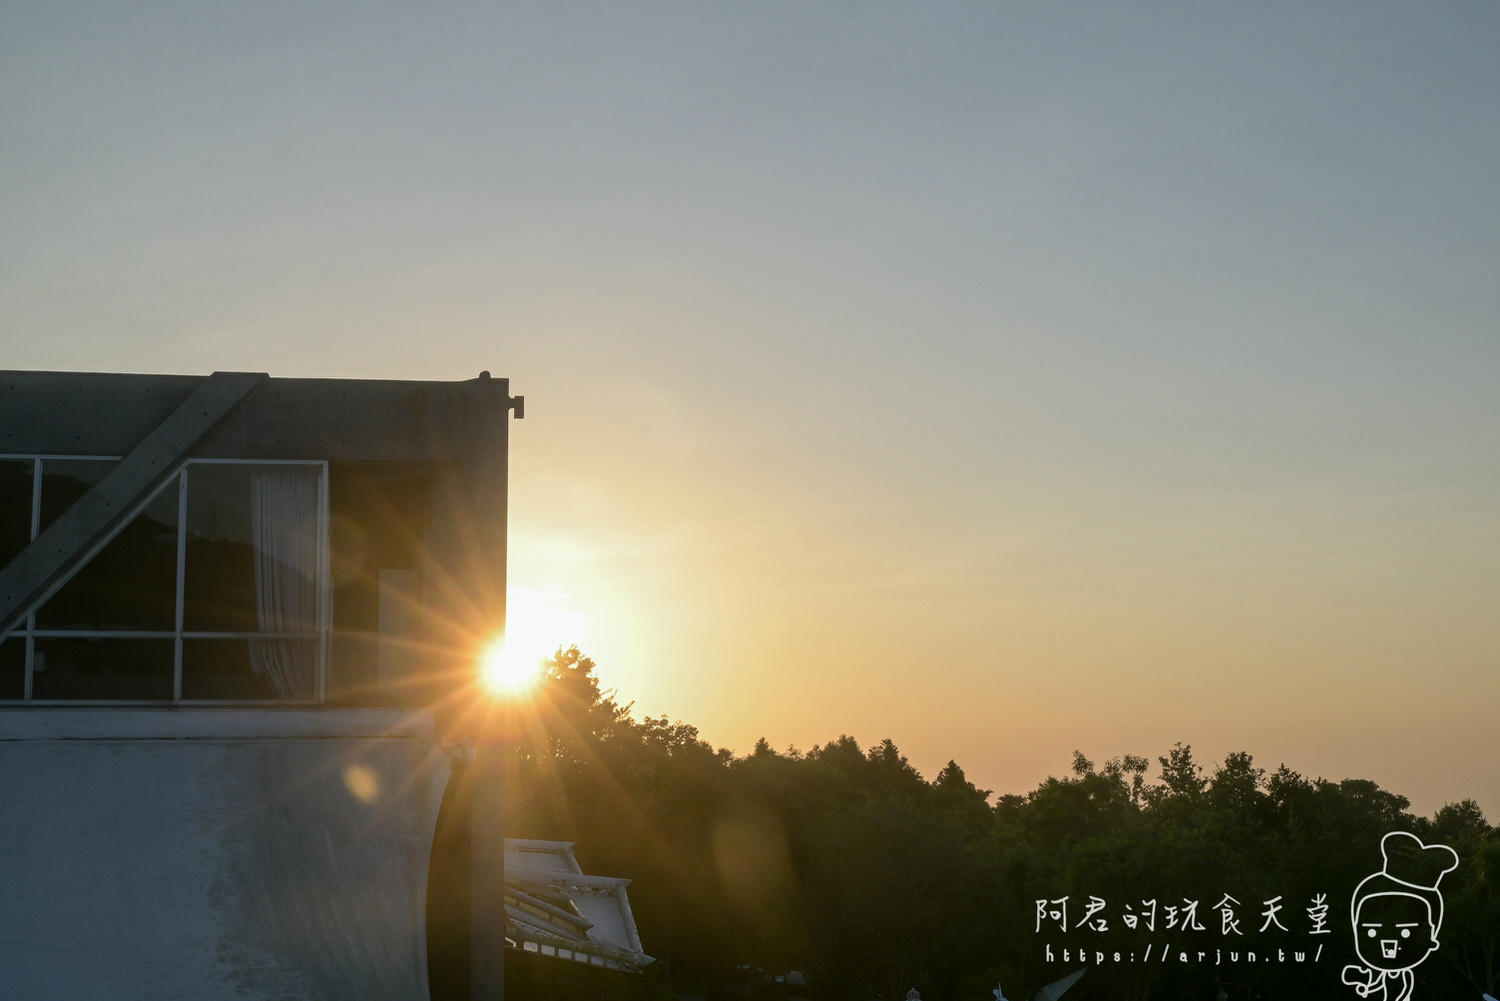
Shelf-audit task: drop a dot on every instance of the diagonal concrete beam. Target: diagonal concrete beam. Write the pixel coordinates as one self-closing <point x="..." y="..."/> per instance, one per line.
<point x="70" y="541"/>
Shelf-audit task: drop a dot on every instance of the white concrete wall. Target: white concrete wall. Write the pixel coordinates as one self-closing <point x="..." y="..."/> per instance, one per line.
<point x="200" y="854"/>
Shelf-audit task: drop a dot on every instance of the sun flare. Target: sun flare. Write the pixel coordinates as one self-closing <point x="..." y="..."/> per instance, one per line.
<point x="505" y="674"/>
<point x="538" y="623"/>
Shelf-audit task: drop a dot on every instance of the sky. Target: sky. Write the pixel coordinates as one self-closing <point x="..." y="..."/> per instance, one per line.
<point x="1000" y="378"/>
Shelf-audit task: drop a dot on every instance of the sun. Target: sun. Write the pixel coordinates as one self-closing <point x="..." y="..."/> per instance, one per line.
<point x="505" y="673"/>
<point x="538" y="623"/>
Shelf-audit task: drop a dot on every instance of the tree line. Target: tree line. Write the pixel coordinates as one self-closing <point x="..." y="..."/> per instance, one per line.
<point x="843" y="863"/>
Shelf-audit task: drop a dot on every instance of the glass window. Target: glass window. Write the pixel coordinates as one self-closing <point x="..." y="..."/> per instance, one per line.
<point x="253" y="549"/>
<point x="219" y="584"/>
<point x="13" y="667"/>
<point x="15" y="507"/>
<point x="89" y="667"/>
<point x="215" y="589"/>
<point x="66" y="480"/>
<point x="131" y="584"/>
<point x="245" y="668"/>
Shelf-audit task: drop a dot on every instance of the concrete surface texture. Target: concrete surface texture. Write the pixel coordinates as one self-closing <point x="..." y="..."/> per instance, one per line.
<point x="202" y="854"/>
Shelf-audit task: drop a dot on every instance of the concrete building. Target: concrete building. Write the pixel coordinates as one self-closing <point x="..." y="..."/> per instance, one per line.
<point x="240" y="617"/>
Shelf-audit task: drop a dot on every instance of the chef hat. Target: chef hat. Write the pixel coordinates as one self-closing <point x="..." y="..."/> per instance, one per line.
<point x="1407" y="860"/>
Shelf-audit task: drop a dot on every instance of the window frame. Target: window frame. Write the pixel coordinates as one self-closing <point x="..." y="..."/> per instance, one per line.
<point x="178" y="480"/>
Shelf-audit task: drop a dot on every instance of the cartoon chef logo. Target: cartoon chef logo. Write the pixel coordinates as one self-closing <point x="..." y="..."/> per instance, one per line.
<point x="1397" y="913"/>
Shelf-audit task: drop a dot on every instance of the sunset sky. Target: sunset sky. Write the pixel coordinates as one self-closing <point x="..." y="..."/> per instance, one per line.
<point x="1000" y="378"/>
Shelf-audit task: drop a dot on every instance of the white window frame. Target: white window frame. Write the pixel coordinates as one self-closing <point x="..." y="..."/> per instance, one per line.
<point x="179" y="481"/>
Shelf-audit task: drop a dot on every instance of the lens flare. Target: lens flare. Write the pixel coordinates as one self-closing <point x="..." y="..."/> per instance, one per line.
<point x="508" y="672"/>
<point x="538" y="624"/>
<point x="363" y="782"/>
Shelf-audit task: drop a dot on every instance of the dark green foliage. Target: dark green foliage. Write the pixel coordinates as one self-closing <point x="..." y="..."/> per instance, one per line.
<point x="844" y="863"/>
<point x="533" y="977"/>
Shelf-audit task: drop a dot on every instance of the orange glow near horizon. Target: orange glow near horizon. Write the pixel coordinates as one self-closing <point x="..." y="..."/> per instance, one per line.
<point x="539" y="622"/>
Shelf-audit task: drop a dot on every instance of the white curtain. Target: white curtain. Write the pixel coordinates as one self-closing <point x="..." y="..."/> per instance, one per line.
<point x="284" y="529"/>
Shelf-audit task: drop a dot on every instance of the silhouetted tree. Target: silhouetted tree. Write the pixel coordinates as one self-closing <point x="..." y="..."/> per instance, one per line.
<point x="845" y="863"/>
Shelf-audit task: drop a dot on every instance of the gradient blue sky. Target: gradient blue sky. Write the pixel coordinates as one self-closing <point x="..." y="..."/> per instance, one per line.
<point x="1001" y="378"/>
